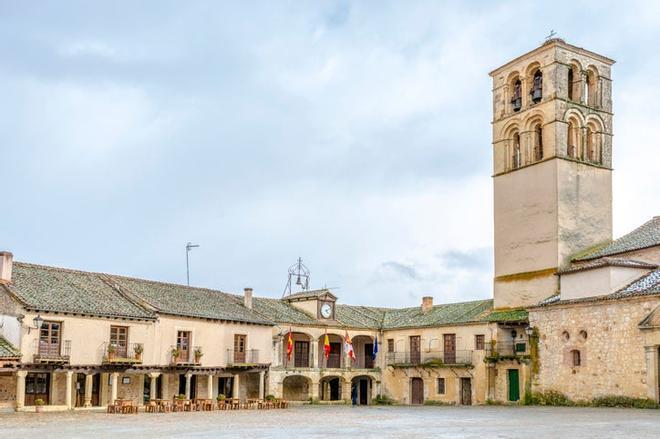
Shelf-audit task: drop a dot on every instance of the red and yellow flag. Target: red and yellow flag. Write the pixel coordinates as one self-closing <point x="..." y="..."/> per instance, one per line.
<point x="289" y="346"/>
<point x="326" y="346"/>
<point x="348" y="347"/>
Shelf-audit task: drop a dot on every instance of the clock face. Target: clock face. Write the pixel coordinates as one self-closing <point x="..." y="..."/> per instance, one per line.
<point x="326" y="310"/>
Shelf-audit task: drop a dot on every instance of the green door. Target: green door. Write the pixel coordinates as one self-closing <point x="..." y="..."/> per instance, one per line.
<point x="514" y="385"/>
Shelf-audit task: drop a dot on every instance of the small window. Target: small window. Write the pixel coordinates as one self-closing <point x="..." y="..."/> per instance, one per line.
<point x="537" y="88"/>
<point x="572" y="149"/>
<point x="517" y="157"/>
<point x="441" y="386"/>
<point x="538" y="142"/>
<point x="576" y="358"/>
<point x="583" y="334"/>
<point x="516" y="99"/>
<point x="390" y="345"/>
<point x="479" y="342"/>
<point x="565" y="335"/>
<point x="571" y="79"/>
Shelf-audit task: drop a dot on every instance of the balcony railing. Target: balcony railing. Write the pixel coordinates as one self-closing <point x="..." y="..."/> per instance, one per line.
<point x="449" y="358"/>
<point x="185" y="356"/>
<point x="46" y="352"/>
<point x="508" y="349"/>
<point x="250" y="356"/>
<point x="129" y="353"/>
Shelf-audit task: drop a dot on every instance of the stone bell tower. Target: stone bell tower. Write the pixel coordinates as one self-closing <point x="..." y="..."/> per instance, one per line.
<point x="552" y="166"/>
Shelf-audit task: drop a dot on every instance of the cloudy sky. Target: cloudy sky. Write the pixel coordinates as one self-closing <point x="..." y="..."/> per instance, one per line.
<point x="353" y="134"/>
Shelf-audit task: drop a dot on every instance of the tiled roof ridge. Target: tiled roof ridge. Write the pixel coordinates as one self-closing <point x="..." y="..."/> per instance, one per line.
<point x="476" y="301"/>
<point x="102" y="273"/>
<point x="598" y="250"/>
<point x="608" y="261"/>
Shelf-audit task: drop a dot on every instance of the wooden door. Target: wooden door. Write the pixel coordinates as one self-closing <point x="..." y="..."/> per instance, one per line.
<point x="183" y="345"/>
<point x="119" y="338"/>
<point x="514" y="385"/>
<point x="239" y="348"/>
<point x="96" y="390"/>
<point x="37" y="386"/>
<point x="450" y="348"/>
<point x="417" y="391"/>
<point x="415" y="351"/>
<point x="368" y="358"/>
<point x="466" y="391"/>
<point x="80" y="390"/>
<point x="334" y="359"/>
<point x="301" y="353"/>
<point x="50" y="339"/>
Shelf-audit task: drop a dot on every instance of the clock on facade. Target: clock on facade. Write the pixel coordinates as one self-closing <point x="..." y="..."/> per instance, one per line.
<point x="326" y="310"/>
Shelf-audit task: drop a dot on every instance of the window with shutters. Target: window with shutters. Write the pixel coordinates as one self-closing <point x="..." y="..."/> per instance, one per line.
<point x="390" y="345"/>
<point x="479" y="342"/>
<point x="441" y="386"/>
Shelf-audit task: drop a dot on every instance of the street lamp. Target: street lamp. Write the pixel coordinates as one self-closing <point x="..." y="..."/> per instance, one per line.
<point x="529" y="331"/>
<point x="37" y="322"/>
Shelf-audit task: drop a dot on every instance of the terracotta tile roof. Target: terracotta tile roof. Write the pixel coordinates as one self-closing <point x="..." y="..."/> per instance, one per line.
<point x="7" y="350"/>
<point x="446" y="314"/>
<point x="608" y="262"/>
<point x="652" y="320"/>
<point x="55" y="289"/>
<point x="309" y="294"/>
<point x="647" y="235"/>
<point x="182" y="300"/>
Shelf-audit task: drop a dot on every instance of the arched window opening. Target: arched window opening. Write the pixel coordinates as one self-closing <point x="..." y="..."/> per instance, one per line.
<point x="537" y="87"/>
<point x="575" y="358"/>
<point x="593" y="145"/>
<point x="572" y="149"/>
<point x="590" y="89"/>
<point x="516" y="160"/>
<point x="516" y="99"/>
<point x="571" y="79"/>
<point x="538" y="142"/>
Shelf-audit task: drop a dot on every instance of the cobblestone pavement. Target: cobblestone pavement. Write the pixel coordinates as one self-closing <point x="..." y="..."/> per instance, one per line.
<point x="344" y="422"/>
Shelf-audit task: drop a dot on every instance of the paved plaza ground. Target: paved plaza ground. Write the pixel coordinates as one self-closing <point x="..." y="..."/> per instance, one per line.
<point x="344" y="422"/>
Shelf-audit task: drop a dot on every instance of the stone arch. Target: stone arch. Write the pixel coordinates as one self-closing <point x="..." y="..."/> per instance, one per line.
<point x="336" y="357"/>
<point x="514" y="91"/>
<point x="594" y="139"/>
<point x="591" y="88"/>
<point x="574" y="80"/>
<point x="302" y="349"/>
<point x="331" y="388"/>
<point x="534" y="136"/>
<point x="362" y="387"/>
<point x="363" y="348"/>
<point x="296" y="388"/>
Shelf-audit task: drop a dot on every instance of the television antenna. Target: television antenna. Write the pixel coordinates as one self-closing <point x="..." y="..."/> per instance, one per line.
<point x="189" y="246"/>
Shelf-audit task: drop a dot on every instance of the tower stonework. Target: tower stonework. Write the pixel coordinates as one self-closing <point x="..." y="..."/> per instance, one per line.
<point x="552" y="166"/>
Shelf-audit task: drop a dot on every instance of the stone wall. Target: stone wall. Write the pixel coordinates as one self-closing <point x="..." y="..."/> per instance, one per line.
<point x="7" y="390"/>
<point x="612" y="348"/>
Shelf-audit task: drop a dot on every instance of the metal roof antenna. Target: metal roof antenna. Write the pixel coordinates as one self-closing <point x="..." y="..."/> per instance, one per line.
<point x="189" y="246"/>
<point x="301" y="274"/>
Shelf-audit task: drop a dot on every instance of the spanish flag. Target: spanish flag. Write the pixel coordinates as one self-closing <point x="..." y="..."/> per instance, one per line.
<point x="289" y="346"/>
<point x="326" y="346"/>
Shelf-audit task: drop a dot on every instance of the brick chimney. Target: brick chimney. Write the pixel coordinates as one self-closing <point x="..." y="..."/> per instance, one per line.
<point x="6" y="261"/>
<point x="427" y="304"/>
<point x="247" y="298"/>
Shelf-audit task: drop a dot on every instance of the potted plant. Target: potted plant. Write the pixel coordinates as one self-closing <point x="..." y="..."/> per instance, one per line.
<point x="181" y="396"/>
<point x="220" y="397"/>
<point x="198" y="354"/>
<point x="270" y="397"/>
<point x="138" y="349"/>
<point x="38" y="405"/>
<point x="175" y="354"/>
<point x="111" y="351"/>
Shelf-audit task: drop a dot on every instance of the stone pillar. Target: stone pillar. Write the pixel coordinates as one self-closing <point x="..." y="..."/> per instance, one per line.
<point x="262" y="384"/>
<point x="188" y="376"/>
<point x="89" y="383"/>
<point x="235" y="386"/>
<point x="68" y="390"/>
<point x="152" y="385"/>
<point x="314" y="391"/>
<point x="346" y="390"/>
<point x="165" y="386"/>
<point x="209" y="386"/>
<point x="315" y="353"/>
<point x="20" y="389"/>
<point x="113" y="388"/>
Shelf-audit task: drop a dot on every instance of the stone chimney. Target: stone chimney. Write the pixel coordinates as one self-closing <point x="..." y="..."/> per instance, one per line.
<point x="247" y="298"/>
<point x="6" y="261"/>
<point x="427" y="304"/>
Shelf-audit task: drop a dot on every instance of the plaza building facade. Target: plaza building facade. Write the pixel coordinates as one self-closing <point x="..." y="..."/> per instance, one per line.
<point x="572" y="310"/>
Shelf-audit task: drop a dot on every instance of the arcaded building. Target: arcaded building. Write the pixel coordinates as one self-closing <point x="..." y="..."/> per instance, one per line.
<point x="572" y="310"/>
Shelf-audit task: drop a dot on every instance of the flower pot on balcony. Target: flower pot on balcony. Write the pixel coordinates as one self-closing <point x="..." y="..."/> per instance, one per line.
<point x="39" y="405"/>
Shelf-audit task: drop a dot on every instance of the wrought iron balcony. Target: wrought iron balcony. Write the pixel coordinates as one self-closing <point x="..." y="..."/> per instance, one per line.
<point x="192" y="355"/>
<point x="49" y="352"/>
<point x="430" y="358"/>
<point x="130" y="353"/>
<point x="236" y="358"/>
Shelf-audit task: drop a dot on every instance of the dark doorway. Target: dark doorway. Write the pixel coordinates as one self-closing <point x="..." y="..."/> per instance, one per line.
<point x="368" y="359"/>
<point x="193" y="386"/>
<point x="417" y="391"/>
<point x="364" y="392"/>
<point x="158" y="382"/>
<point x="466" y="391"/>
<point x="415" y="343"/>
<point x="226" y="386"/>
<point x="334" y="359"/>
<point x="80" y="390"/>
<point x="514" y="385"/>
<point x="96" y="390"/>
<point x="331" y="389"/>
<point x="37" y="386"/>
